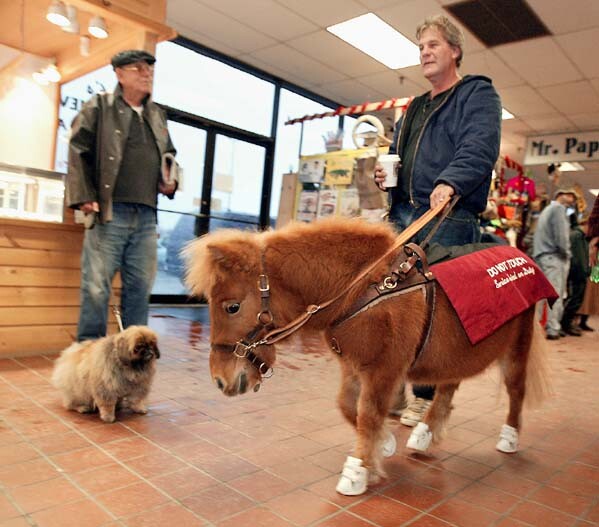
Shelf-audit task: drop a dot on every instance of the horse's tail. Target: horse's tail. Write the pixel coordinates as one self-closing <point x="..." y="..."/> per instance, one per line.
<point x="538" y="379"/>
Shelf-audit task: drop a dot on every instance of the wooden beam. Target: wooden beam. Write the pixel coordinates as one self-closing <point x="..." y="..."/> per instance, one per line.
<point x="108" y="10"/>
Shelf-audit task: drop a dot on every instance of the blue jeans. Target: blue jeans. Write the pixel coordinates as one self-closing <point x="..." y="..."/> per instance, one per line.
<point x="459" y="228"/>
<point x="128" y="244"/>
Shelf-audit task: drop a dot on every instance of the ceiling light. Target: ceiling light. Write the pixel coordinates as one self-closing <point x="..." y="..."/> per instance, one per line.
<point x="52" y="74"/>
<point x="567" y="166"/>
<point x="57" y="14"/>
<point x="97" y="27"/>
<point x="73" y="26"/>
<point x="594" y="191"/>
<point x="506" y="115"/>
<point x="378" y="39"/>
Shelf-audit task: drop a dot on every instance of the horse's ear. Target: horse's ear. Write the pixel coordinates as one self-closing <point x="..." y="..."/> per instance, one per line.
<point x="211" y="252"/>
<point x="233" y="256"/>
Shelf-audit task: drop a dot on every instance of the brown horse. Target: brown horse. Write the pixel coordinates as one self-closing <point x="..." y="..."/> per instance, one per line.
<point x="275" y="275"/>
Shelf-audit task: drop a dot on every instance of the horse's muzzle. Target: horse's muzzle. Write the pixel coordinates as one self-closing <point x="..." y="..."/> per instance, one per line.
<point x="237" y="388"/>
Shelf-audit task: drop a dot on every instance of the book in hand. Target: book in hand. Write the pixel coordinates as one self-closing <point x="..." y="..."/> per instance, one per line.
<point x="169" y="169"/>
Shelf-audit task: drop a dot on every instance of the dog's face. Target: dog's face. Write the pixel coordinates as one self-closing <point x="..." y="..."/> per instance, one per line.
<point x="137" y="346"/>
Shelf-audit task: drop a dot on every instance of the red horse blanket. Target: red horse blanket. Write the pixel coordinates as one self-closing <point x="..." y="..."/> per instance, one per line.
<point x="490" y="287"/>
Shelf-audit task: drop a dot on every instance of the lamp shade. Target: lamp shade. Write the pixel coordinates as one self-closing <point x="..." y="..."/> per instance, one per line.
<point x="57" y="14"/>
<point x="52" y="73"/>
<point x="73" y="26"/>
<point x="97" y="27"/>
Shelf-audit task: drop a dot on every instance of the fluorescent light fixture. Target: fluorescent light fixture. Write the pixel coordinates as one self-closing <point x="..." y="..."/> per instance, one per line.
<point x="57" y="14"/>
<point x="567" y="166"/>
<point x="97" y="27"/>
<point x="594" y="191"/>
<point x="378" y="39"/>
<point x="506" y="115"/>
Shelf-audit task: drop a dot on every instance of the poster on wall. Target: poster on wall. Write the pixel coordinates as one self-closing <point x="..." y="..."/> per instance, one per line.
<point x="339" y="169"/>
<point x="327" y="203"/>
<point x="311" y="169"/>
<point x="72" y="96"/>
<point x="307" y="205"/>
<point x="349" y="203"/>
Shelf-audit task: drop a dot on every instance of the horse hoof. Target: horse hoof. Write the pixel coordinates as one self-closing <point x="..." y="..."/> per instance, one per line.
<point x="420" y="438"/>
<point x="389" y="446"/>
<point x="354" y="478"/>
<point x="508" y="440"/>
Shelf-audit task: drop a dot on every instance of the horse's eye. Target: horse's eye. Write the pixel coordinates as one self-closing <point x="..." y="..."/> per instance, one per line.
<point x="232" y="308"/>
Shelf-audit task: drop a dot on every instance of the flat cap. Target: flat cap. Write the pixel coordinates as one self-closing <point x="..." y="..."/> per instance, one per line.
<point x="122" y="58"/>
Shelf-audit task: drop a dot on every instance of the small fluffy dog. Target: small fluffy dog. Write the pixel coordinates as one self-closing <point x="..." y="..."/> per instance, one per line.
<point x="114" y="371"/>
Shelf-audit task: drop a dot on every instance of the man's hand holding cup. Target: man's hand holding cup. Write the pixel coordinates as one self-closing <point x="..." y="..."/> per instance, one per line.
<point x="385" y="171"/>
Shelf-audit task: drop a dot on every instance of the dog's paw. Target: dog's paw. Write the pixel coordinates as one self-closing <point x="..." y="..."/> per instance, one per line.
<point x="108" y="418"/>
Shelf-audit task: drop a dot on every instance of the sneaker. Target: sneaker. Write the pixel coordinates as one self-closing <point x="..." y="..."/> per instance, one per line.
<point x="400" y="404"/>
<point x="552" y="336"/>
<point x="573" y="331"/>
<point x="415" y="411"/>
<point x="585" y="327"/>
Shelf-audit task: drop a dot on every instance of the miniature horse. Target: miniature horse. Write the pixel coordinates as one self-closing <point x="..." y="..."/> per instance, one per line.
<point x="308" y="264"/>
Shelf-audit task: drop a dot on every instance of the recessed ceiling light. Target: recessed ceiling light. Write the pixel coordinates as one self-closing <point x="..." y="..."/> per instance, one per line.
<point x="567" y="166"/>
<point x="97" y="27"/>
<point x="57" y="14"/>
<point x="506" y="115"/>
<point x="376" y="38"/>
<point x="52" y="74"/>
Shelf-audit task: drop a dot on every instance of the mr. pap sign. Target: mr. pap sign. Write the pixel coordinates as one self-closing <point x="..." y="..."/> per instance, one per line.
<point x="562" y="147"/>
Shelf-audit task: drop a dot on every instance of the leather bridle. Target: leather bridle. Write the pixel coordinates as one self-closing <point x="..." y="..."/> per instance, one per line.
<point x="264" y="333"/>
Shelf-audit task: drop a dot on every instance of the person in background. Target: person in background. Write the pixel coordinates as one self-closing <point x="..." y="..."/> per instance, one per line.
<point x="551" y="250"/>
<point x="115" y="156"/>
<point x="448" y="142"/>
<point x="577" y="276"/>
<point x="593" y="233"/>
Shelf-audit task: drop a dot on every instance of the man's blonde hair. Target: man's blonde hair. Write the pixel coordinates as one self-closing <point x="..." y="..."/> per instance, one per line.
<point x="452" y="33"/>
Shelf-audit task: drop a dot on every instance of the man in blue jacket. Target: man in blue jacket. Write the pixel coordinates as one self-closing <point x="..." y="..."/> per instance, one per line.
<point x="448" y="142"/>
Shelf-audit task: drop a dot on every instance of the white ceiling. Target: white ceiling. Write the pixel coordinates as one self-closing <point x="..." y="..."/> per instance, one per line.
<point x="551" y="84"/>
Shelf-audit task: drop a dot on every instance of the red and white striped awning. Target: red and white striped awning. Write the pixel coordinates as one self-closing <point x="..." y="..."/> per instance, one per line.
<point x="356" y="109"/>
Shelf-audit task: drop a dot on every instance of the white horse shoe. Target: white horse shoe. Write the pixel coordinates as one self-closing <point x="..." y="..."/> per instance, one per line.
<point x="389" y="446"/>
<point x="508" y="440"/>
<point x="354" y="478"/>
<point x="420" y="438"/>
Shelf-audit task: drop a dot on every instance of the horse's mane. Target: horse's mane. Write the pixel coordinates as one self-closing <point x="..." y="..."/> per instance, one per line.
<point x="237" y="251"/>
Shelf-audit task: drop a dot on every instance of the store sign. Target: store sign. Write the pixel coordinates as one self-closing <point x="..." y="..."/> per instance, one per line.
<point x="573" y="146"/>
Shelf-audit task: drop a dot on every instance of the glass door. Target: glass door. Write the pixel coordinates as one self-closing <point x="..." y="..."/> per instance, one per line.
<point x="177" y="218"/>
<point x="236" y="191"/>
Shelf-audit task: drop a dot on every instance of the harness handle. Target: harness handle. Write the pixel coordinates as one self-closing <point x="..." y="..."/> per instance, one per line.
<point x="281" y="333"/>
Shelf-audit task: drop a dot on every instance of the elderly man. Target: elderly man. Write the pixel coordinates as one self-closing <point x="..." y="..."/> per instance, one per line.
<point x="118" y="141"/>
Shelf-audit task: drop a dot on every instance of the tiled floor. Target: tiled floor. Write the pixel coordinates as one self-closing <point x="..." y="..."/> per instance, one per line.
<point x="272" y="458"/>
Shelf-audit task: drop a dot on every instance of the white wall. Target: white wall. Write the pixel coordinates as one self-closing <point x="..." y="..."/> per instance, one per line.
<point x="28" y="115"/>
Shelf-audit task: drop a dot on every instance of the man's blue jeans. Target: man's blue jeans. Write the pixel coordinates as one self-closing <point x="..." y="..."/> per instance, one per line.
<point x="459" y="228"/>
<point x="127" y="243"/>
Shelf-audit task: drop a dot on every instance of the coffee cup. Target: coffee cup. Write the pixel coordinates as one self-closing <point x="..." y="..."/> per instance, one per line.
<point x="390" y="163"/>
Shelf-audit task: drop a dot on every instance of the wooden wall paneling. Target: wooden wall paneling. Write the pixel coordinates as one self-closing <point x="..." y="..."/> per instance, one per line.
<point x="47" y="339"/>
<point x="10" y="256"/>
<point x="39" y="296"/>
